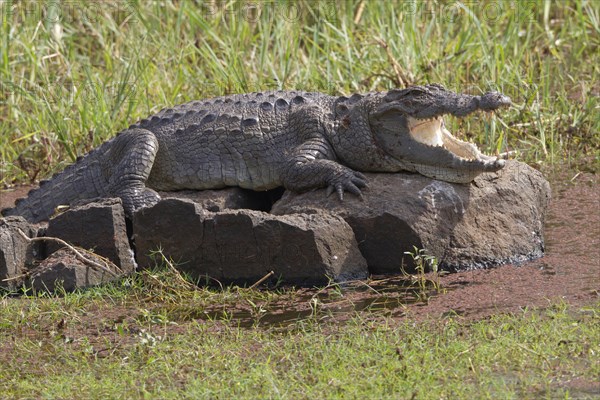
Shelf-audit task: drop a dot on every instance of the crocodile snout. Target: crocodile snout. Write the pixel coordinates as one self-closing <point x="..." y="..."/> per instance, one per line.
<point x="493" y="100"/>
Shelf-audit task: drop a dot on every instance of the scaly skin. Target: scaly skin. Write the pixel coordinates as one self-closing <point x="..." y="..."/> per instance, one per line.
<point x="260" y="141"/>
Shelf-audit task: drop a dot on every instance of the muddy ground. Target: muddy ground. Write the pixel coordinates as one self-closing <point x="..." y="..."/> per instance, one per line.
<point x="569" y="272"/>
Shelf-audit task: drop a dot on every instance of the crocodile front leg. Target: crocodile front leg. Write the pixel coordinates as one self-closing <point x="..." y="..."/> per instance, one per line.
<point x="311" y="166"/>
<point x="128" y="166"/>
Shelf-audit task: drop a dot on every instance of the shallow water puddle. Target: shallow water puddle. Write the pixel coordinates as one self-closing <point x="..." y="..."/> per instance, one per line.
<point x="388" y="296"/>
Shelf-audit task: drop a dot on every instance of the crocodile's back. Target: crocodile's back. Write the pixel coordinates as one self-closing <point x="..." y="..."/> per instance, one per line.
<point x="237" y="140"/>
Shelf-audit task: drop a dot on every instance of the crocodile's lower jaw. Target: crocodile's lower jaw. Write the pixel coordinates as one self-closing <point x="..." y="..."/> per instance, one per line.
<point x="448" y="174"/>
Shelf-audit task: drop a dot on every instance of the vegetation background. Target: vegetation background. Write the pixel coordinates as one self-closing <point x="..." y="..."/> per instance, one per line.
<point x="73" y="73"/>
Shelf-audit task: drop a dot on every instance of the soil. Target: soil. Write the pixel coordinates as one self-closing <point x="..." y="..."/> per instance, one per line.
<point x="569" y="272"/>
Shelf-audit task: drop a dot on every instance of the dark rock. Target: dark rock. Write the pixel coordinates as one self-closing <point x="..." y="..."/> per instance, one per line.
<point x="64" y="270"/>
<point x="494" y="220"/>
<point x="99" y="226"/>
<point x="243" y="246"/>
<point x="17" y="254"/>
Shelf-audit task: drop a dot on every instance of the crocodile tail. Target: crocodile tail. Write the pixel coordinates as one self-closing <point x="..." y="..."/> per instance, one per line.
<point x="84" y="179"/>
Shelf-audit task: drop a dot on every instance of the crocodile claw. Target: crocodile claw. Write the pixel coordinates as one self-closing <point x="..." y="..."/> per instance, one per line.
<point x="349" y="181"/>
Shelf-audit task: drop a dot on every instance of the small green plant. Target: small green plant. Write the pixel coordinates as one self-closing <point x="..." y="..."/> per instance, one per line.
<point x="424" y="264"/>
<point x="257" y="310"/>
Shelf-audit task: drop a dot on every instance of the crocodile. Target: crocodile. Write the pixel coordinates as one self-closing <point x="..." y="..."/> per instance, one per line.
<point x="260" y="141"/>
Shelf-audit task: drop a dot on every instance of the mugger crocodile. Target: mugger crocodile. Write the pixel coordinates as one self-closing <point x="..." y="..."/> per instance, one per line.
<point x="261" y="141"/>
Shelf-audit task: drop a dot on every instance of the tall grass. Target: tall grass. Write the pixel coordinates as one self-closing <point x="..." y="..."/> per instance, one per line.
<point x="74" y="73"/>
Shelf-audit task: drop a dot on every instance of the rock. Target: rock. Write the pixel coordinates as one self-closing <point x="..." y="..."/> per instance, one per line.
<point x="100" y="226"/>
<point x="17" y="254"/>
<point x="243" y="246"/>
<point x="64" y="270"/>
<point x="497" y="219"/>
<point x="233" y="198"/>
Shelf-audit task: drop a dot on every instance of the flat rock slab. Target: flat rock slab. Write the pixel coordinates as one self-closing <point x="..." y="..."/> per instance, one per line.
<point x="64" y="270"/>
<point x="496" y="219"/>
<point x="243" y="246"/>
<point x="99" y="226"/>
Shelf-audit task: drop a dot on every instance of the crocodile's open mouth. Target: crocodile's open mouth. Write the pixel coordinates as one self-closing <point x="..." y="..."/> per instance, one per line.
<point x="468" y="162"/>
<point x="433" y="132"/>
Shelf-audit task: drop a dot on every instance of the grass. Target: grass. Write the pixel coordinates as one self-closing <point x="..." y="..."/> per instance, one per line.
<point x="73" y="74"/>
<point x="144" y="337"/>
